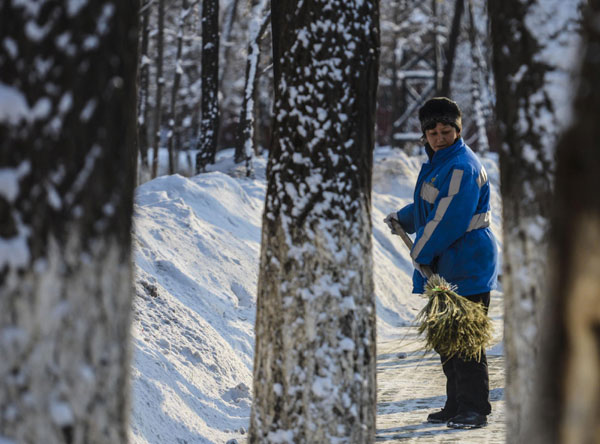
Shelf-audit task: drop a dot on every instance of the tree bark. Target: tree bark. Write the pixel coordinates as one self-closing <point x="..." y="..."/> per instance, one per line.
<point x="67" y="174"/>
<point x="264" y="108"/>
<point x="568" y="402"/>
<point x="530" y="94"/>
<point x="160" y="81"/>
<point x="314" y="368"/>
<point x="209" y="125"/>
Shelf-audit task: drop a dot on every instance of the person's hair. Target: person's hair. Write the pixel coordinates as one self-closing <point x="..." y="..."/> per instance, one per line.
<point x="440" y="110"/>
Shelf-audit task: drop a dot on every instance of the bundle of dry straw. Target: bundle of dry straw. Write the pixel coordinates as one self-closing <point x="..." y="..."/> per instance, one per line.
<point x="452" y="324"/>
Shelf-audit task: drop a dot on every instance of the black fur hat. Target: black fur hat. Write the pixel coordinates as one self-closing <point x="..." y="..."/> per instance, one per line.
<point x="440" y="110"/>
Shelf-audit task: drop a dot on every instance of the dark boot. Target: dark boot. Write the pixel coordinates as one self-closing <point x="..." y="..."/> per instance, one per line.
<point x="468" y="420"/>
<point x="442" y="416"/>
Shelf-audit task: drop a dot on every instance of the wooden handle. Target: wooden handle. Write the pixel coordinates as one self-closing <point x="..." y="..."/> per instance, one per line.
<point x="397" y="229"/>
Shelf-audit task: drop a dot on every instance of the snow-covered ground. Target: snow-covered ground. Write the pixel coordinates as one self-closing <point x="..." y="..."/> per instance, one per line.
<point x="197" y="243"/>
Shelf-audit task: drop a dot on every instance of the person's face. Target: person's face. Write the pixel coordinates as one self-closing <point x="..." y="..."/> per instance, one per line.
<point x="442" y="136"/>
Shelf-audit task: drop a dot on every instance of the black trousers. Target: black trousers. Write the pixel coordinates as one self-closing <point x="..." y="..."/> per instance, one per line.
<point x="467" y="382"/>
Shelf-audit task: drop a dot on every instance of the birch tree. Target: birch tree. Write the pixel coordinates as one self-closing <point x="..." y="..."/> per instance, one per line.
<point x="530" y="68"/>
<point x="314" y="368"/>
<point x="209" y="125"/>
<point x="67" y="172"/>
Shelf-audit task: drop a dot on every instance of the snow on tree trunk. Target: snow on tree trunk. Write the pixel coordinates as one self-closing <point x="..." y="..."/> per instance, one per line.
<point x="314" y="368"/>
<point x="568" y="404"/>
<point x="530" y="69"/>
<point x="209" y="125"/>
<point x="67" y="172"/>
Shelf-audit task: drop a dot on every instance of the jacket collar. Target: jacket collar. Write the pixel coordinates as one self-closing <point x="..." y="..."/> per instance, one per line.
<point x="436" y="157"/>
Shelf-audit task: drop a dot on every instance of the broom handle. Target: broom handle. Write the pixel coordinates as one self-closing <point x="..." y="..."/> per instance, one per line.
<point x="409" y="243"/>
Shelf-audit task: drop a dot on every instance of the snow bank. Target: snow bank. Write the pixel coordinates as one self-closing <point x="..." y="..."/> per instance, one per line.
<point x="197" y="244"/>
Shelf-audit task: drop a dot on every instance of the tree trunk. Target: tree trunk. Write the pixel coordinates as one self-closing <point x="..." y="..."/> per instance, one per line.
<point x="160" y="81"/>
<point x="451" y="48"/>
<point x="67" y="174"/>
<point x="251" y="137"/>
<point x="244" y="147"/>
<point x="174" y="119"/>
<point x="568" y="403"/>
<point x="264" y="97"/>
<point x="530" y="94"/>
<point x="314" y="368"/>
<point x="209" y="125"/>
<point x="143" y="111"/>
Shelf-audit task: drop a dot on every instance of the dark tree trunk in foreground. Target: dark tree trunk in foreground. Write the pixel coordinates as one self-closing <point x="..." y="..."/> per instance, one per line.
<point x="209" y="125"/>
<point x="67" y="162"/>
<point x="530" y="94"/>
<point x="569" y="405"/>
<point x="314" y="368"/>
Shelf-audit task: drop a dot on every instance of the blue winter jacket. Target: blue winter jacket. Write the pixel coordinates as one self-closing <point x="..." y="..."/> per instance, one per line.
<point x="451" y="217"/>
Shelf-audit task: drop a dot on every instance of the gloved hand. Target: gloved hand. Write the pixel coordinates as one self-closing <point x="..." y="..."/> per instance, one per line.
<point x="388" y="221"/>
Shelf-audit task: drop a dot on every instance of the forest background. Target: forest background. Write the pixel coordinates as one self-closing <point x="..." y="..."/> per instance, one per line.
<point x="426" y="47"/>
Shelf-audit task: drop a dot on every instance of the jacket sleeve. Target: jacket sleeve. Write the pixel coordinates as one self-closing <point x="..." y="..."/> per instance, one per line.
<point x="406" y="217"/>
<point x="452" y="212"/>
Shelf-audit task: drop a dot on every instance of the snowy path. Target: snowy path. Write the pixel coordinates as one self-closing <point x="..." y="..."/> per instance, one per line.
<point x="413" y="385"/>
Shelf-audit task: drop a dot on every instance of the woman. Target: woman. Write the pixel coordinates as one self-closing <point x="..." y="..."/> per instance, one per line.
<point x="451" y="216"/>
